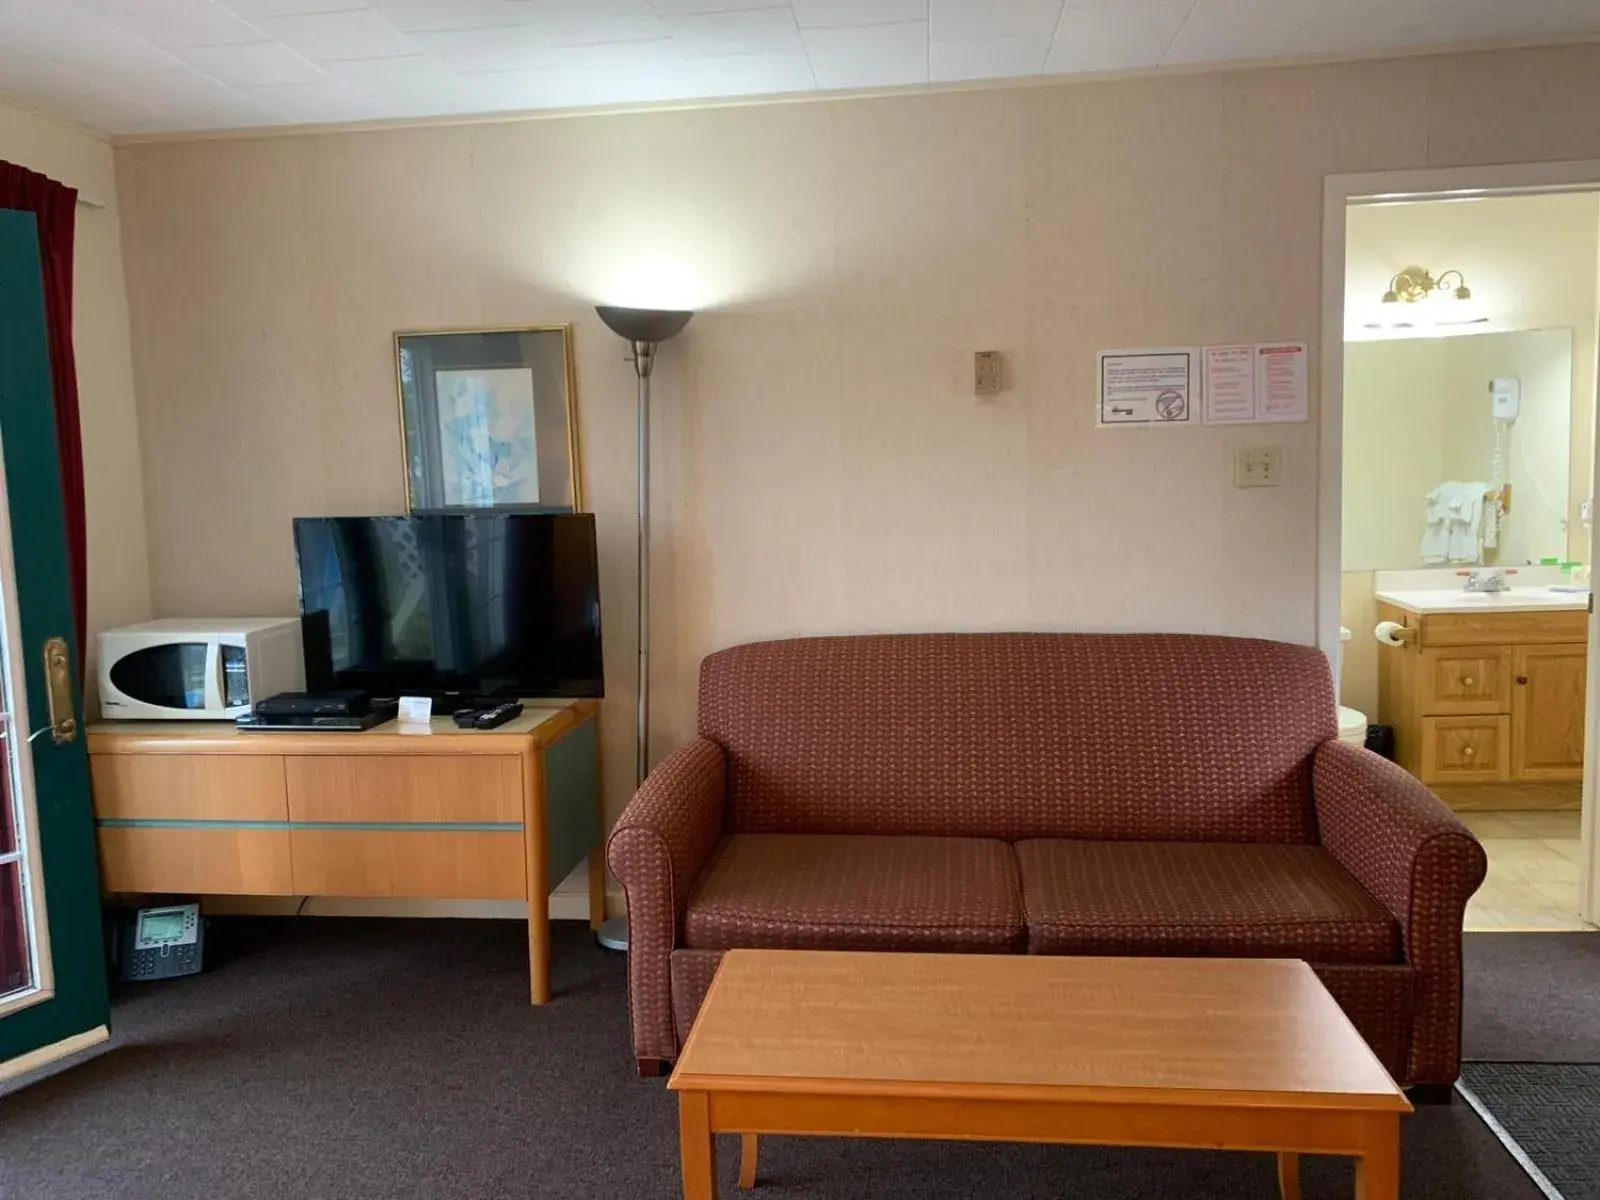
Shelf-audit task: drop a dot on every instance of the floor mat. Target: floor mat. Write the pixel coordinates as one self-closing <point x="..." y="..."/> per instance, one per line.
<point x="1551" y="1113"/>
<point x="1531" y="997"/>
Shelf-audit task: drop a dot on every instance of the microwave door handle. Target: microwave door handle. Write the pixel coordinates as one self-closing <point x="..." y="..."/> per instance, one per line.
<point x="215" y="694"/>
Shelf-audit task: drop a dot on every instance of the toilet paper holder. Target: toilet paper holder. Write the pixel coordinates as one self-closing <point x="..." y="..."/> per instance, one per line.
<point x="1392" y="633"/>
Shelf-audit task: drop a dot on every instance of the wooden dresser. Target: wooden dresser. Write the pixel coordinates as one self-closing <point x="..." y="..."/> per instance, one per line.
<point x="1482" y="698"/>
<point x="430" y="812"/>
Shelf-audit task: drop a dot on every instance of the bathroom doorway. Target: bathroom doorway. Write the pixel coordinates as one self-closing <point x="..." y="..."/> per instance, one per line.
<point x="1459" y="407"/>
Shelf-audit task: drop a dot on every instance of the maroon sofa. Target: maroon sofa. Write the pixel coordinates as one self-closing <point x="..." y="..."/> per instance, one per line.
<point x="1044" y="794"/>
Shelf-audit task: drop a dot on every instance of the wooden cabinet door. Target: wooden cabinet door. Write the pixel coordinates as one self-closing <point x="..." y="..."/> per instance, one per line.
<point x="1466" y="749"/>
<point x="1470" y="681"/>
<point x="1547" y="711"/>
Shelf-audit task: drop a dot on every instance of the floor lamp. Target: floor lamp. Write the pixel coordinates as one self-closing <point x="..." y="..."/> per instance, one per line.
<point x="644" y="329"/>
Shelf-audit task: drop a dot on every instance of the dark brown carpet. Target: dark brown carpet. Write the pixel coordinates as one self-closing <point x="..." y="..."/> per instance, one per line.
<point x="1531" y="997"/>
<point x="347" y="1060"/>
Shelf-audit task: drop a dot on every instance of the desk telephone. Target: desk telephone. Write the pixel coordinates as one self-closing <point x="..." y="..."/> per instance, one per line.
<point x="160" y="943"/>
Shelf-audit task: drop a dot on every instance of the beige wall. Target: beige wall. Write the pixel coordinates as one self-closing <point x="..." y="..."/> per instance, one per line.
<point x="119" y="583"/>
<point x="822" y="464"/>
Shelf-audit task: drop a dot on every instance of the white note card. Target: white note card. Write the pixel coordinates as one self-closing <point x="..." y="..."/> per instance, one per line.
<point x="416" y="710"/>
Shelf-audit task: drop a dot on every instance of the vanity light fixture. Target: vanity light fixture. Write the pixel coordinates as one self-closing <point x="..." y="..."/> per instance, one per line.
<point x="1418" y="283"/>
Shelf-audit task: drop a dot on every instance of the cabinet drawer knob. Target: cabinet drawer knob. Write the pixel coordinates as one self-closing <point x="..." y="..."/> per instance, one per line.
<point x="1469" y="752"/>
<point x="1468" y="681"/>
<point x="1522" y="679"/>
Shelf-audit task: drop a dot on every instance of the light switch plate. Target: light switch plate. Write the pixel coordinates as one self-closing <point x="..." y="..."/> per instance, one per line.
<point x="1257" y="466"/>
<point x="986" y="373"/>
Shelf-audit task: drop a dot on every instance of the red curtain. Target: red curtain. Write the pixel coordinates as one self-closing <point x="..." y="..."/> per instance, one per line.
<point x="56" y="207"/>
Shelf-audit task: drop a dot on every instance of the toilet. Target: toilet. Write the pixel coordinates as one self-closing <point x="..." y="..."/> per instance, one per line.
<point x="1352" y="723"/>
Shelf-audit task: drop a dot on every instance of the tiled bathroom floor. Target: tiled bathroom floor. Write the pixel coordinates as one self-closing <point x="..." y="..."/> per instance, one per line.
<point x="1533" y="871"/>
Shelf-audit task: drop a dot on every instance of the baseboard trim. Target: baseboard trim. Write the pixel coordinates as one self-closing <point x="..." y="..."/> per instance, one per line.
<point x="44" y="1056"/>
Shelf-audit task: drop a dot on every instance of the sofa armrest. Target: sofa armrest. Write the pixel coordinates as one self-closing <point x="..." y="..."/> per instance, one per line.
<point x="657" y="850"/>
<point x="1419" y="861"/>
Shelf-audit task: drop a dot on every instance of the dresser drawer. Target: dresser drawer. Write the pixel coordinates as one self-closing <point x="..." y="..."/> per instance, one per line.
<point x="1466" y="749"/>
<point x="425" y="788"/>
<point x="1472" y="681"/>
<point x="419" y="863"/>
<point x="214" y="861"/>
<point x="192" y="787"/>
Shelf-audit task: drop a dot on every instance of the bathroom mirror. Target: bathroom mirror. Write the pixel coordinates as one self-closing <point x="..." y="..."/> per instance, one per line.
<point x="1418" y="414"/>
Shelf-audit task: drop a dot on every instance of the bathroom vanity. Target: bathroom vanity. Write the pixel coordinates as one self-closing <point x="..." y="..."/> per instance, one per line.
<point x="1486" y="690"/>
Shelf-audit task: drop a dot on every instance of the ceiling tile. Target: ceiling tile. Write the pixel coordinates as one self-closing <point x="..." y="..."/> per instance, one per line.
<point x="175" y="22"/>
<point x="831" y="14"/>
<point x="513" y="91"/>
<point x="1124" y="38"/>
<point x="755" y="31"/>
<point x="954" y="20"/>
<point x="389" y="77"/>
<point x="870" y="55"/>
<point x="1222" y="30"/>
<point x="601" y="21"/>
<point x="754" y="74"/>
<point x="310" y="103"/>
<point x="419" y="16"/>
<point x="515" y="49"/>
<point x="672" y="8"/>
<point x="253" y="64"/>
<point x="286" y="8"/>
<point x="93" y="47"/>
<point x="360" y="33"/>
<point x="987" y="58"/>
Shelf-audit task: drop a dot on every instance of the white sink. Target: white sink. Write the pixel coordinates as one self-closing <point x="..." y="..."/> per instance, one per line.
<point x="1518" y="599"/>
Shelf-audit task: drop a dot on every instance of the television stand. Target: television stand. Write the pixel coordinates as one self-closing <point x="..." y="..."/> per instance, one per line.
<point x="201" y="808"/>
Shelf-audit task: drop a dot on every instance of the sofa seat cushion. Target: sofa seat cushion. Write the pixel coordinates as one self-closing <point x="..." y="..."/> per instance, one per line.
<point x="1200" y="898"/>
<point x="846" y="892"/>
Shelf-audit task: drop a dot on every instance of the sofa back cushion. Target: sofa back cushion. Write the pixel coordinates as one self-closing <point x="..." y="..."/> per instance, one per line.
<point x="1163" y="737"/>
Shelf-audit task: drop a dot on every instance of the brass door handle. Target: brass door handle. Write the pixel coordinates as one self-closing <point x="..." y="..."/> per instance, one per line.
<point x="58" y="691"/>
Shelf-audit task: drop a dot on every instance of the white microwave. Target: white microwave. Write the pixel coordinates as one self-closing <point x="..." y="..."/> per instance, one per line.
<point x="206" y="669"/>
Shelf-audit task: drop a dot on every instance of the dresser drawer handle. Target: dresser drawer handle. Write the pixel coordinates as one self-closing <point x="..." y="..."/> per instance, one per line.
<point x="1468" y="681"/>
<point x="1469" y="752"/>
<point x="1522" y="679"/>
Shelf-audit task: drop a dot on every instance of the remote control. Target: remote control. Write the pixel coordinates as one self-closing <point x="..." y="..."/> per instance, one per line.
<point x="488" y="718"/>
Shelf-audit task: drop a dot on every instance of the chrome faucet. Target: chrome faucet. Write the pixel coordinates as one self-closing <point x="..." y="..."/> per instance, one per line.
<point x="1487" y="579"/>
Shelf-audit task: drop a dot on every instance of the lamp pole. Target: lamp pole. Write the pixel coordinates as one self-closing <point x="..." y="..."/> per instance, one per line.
<point x="644" y="329"/>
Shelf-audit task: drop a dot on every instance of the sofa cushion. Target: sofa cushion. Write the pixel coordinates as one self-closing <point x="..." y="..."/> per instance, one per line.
<point x="1148" y="737"/>
<point x="838" y="892"/>
<point x="1086" y="897"/>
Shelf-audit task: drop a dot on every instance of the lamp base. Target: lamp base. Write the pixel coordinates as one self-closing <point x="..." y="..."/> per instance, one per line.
<point x="613" y="934"/>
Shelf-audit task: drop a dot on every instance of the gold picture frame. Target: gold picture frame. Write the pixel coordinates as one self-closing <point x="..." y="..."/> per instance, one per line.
<point x="481" y="428"/>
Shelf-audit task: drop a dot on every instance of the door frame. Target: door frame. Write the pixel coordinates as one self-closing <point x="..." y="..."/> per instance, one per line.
<point x="1339" y="193"/>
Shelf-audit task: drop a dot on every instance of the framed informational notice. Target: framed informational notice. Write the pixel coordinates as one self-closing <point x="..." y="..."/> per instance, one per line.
<point x="1148" y="388"/>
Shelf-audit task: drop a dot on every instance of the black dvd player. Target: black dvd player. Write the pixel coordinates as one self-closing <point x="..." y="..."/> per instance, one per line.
<point x="315" y="722"/>
<point x="315" y="704"/>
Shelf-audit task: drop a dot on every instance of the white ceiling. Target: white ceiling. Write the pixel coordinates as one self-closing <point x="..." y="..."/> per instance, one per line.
<point x="155" y="66"/>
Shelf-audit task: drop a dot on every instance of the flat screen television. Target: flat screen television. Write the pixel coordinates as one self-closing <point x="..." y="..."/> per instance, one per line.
<point x="505" y="606"/>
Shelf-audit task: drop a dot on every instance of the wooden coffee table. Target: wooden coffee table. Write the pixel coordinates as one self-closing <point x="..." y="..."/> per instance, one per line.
<point x="1237" y="1054"/>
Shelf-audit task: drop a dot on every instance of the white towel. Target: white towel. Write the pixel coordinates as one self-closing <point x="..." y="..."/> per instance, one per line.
<point x="1454" y="514"/>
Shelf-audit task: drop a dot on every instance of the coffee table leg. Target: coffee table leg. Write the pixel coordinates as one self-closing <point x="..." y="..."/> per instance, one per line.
<point x="1378" y="1168"/>
<point x="697" y="1146"/>
<point x="749" y="1149"/>
<point x="1288" y="1175"/>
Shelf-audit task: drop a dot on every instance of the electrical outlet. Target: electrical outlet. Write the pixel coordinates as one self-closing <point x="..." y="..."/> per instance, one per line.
<point x="986" y="373"/>
<point x="1257" y="466"/>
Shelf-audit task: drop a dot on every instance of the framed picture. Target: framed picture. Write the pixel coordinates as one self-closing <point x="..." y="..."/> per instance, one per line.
<point x="489" y="420"/>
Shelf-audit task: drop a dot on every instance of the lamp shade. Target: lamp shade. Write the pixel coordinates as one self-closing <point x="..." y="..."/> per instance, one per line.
<point x="643" y="324"/>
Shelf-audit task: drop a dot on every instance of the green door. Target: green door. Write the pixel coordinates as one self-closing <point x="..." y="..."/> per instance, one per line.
<point x="52" y="961"/>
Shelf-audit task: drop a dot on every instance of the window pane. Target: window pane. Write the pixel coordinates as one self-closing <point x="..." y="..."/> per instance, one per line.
<point x="15" y="970"/>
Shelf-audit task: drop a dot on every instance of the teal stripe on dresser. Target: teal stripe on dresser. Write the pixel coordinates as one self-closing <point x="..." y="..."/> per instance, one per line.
<point x="384" y="826"/>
